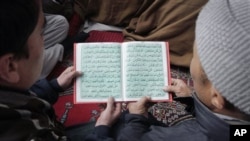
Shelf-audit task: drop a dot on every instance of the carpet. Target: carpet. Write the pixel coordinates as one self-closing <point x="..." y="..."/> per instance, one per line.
<point x="69" y="114"/>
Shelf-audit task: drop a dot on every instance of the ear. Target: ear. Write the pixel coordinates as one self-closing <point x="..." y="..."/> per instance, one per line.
<point x="216" y="99"/>
<point x="9" y="69"/>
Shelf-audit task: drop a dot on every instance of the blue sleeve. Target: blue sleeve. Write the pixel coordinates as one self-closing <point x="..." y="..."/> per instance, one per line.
<point x="101" y="133"/>
<point x="47" y="90"/>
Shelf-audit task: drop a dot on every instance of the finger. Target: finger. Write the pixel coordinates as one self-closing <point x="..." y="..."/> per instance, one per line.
<point x="118" y="106"/>
<point x="173" y="80"/>
<point x="169" y="89"/>
<point x="69" y="69"/>
<point x="118" y="109"/>
<point x="73" y="74"/>
<point x="110" y="103"/>
<point x="130" y="104"/>
<point x="143" y="100"/>
<point x="66" y="71"/>
<point x="77" y="73"/>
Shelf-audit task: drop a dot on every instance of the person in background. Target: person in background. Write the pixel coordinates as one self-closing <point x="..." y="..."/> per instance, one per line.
<point x="55" y="32"/>
<point x="220" y="72"/>
<point x="24" y="115"/>
<point x="59" y="7"/>
<point x="57" y="43"/>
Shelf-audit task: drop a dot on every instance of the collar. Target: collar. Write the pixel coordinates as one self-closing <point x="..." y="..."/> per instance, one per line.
<point x="231" y="120"/>
<point x="210" y="124"/>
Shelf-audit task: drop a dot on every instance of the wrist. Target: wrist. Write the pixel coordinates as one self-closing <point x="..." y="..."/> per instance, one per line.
<point x="56" y="86"/>
<point x="100" y="122"/>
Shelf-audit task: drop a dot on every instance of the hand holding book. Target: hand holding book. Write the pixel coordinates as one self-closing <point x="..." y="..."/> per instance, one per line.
<point x="127" y="71"/>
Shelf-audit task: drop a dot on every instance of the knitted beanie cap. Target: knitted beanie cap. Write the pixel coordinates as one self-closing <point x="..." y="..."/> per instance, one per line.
<point x="223" y="46"/>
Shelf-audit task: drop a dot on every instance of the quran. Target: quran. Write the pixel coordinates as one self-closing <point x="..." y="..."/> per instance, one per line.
<point x="126" y="71"/>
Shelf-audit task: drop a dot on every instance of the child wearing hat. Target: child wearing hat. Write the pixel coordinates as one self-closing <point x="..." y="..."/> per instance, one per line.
<point x="221" y="76"/>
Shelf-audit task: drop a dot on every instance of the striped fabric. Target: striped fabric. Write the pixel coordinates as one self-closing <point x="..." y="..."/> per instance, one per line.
<point x="24" y="117"/>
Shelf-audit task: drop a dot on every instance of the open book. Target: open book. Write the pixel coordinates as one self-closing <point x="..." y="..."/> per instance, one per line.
<point x="127" y="71"/>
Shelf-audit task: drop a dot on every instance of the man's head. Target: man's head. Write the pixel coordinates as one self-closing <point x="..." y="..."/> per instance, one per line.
<point x="21" y="43"/>
<point x="222" y="51"/>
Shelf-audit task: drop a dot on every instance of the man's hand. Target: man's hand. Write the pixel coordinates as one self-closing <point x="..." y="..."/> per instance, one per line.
<point x="110" y="114"/>
<point x="179" y="87"/>
<point x="140" y="107"/>
<point x="66" y="78"/>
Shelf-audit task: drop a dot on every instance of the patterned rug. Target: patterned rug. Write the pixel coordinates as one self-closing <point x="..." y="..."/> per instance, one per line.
<point x="70" y="114"/>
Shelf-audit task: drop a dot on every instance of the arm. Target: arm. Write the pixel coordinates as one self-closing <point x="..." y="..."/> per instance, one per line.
<point x="137" y="120"/>
<point x="105" y="121"/>
<point x="139" y="128"/>
<point x="138" y="125"/>
<point x="48" y="90"/>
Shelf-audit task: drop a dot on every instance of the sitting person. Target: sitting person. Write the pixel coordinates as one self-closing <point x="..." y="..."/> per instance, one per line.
<point x="220" y="72"/>
<point x="23" y="115"/>
<point x="57" y="43"/>
<point x="55" y="31"/>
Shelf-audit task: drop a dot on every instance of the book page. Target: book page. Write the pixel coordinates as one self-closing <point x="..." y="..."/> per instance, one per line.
<point x="101" y="67"/>
<point x="145" y="70"/>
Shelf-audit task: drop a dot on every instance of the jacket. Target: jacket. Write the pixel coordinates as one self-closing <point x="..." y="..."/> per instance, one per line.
<point x="205" y="127"/>
<point x="25" y="117"/>
<point x="47" y="90"/>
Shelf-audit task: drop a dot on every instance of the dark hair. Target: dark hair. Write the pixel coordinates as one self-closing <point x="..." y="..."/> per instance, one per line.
<point x="18" y="20"/>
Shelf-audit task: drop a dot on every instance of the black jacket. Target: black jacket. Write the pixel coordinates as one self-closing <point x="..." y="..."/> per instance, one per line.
<point x="47" y="90"/>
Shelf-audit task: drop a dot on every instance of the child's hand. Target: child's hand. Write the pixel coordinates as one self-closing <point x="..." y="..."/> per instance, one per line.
<point x="140" y="107"/>
<point x="66" y="78"/>
<point x="179" y="87"/>
<point x="110" y="114"/>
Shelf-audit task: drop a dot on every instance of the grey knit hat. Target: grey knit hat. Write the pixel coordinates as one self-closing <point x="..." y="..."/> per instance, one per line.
<point x="223" y="45"/>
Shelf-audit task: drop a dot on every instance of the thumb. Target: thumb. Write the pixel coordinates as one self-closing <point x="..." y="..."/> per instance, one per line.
<point x="110" y="103"/>
<point x="169" y="89"/>
<point x="118" y="109"/>
<point x="144" y="100"/>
